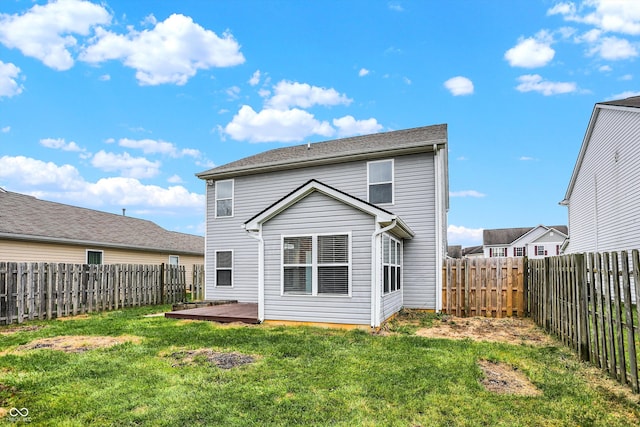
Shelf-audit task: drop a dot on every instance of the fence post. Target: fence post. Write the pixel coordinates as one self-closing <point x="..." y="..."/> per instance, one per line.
<point x="547" y="294"/>
<point x="162" y="273"/>
<point x="583" y="314"/>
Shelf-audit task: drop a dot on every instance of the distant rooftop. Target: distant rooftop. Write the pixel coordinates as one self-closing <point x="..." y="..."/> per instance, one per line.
<point x="367" y="146"/>
<point x="25" y="217"/>
<point x="504" y="236"/>
<point x="633" y="101"/>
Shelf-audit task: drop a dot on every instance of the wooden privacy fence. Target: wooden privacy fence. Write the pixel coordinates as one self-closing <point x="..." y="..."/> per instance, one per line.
<point x="492" y="287"/>
<point x="197" y="283"/>
<point x="46" y="290"/>
<point x="587" y="301"/>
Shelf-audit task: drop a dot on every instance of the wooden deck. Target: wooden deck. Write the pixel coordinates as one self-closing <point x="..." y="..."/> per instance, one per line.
<point x="225" y="313"/>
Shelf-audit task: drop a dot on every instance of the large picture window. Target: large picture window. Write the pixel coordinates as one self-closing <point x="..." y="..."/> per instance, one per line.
<point x="380" y="179"/>
<point x="224" y="268"/>
<point x="391" y="264"/>
<point x="224" y="198"/>
<point x="316" y="265"/>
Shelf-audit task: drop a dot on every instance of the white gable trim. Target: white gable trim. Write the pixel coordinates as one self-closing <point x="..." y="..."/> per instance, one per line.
<point x="382" y="217"/>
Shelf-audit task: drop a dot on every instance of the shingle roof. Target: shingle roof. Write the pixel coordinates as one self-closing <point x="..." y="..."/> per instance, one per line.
<point x="633" y="101"/>
<point x="26" y="217"/>
<point x="379" y="144"/>
<point x="504" y="236"/>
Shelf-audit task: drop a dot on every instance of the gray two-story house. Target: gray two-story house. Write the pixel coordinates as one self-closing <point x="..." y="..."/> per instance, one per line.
<point x="344" y="232"/>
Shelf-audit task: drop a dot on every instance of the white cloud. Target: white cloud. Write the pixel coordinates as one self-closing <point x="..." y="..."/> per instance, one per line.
<point x="395" y="6"/>
<point x="459" y="86"/>
<point x="466" y="193"/>
<point x="175" y="179"/>
<point x="605" y="68"/>
<point x="618" y="16"/>
<point x="32" y="172"/>
<point x="150" y="146"/>
<point x="294" y="94"/>
<point x="535" y="83"/>
<point x="363" y="72"/>
<point x="270" y="125"/>
<point x="613" y="49"/>
<point x="624" y="95"/>
<point x="9" y="85"/>
<point x="131" y="192"/>
<point x="46" y="32"/>
<point x="60" y="144"/>
<point x="463" y="235"/>
<point x="255" y="78"/>
<point x="626" y="77"/>
<point x="406" y="80"/>
<point x="349" y="126"/>
<point x="526" y="158"/>
<point x="172" y="52"/>
<point x="128" y="166"/>
<point x="6" y="129"/>
<point x="531" y="52"/>
<point x="233" y="92"/>
<point x="105" y="77"/>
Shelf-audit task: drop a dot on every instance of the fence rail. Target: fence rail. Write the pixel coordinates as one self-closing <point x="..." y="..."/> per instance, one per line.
<point x="46" y="290"/>
<point x="490" y="287"/>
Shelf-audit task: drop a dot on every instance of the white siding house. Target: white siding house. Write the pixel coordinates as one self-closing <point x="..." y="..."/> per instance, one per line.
<point x="532" y="242"/>
<point x="343" y="232"/>
<point x="603" y="196"/>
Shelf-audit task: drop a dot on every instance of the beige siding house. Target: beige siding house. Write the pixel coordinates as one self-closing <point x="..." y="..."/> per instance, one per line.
<point x="33" y="230"/>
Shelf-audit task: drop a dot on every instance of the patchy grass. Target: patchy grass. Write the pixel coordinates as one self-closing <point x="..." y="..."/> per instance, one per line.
<point x="176" y="375"/>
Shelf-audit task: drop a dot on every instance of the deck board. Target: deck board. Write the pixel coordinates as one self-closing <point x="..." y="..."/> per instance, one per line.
<point x="225" y="313"/>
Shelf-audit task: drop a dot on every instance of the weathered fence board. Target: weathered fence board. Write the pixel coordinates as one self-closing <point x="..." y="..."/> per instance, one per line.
<point x="46" y="290"/>
<point x="490" y="287"/>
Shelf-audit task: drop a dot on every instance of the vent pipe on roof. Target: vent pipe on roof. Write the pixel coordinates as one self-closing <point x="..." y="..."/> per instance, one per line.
<point x="309" y="145"/>
<point x="124" y="211"/>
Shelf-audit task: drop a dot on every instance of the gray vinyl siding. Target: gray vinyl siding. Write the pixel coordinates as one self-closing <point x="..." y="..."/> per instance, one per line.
<point x="604" y="206"/>
<point x="391" y="304"/>
<point x="319" y="214"/>
<point x="414" y="186"/>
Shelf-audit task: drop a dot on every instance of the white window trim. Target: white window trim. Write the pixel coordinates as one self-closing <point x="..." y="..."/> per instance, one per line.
<point x="502" y="249"/>
<point x="314" y="265"/>
<point x="399" y="265"/>
<point x="232" y="198"/>
<point x="392" y="182"/>
<point x="536" y="249"/>
<point x="86" y="255"/>
<point x="215" y="269"/>
<point x="176" y="256"/>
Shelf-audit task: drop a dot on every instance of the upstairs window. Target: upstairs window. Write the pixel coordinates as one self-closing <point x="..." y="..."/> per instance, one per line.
<point x="224" y="198"/>
<point x="380" y="180"/>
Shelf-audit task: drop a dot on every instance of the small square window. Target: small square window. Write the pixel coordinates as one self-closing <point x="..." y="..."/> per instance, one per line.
<point x="94" y="257"/>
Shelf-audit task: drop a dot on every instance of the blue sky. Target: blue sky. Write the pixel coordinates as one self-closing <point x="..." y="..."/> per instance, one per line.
<point x="117" y="104"/>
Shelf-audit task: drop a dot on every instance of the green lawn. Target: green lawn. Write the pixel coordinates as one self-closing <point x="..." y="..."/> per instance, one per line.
<point x="299" y="376"/>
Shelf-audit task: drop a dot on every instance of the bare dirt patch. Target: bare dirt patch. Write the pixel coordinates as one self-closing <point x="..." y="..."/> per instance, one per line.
<point x="16" y="329"/>
<point x="504" y="379"/>
<point x="71" y="318"/>
<point x="223" y="360"/>
<point x="77" y="343"/>
<point x="507" y="330"/>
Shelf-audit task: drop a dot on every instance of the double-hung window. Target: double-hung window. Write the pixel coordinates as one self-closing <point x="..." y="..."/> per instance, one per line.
<point x="380" y="181"/>
<point x="497" y="252"/>
<point x="540" y="251"/>
<point x="224" y="268"/>
<point x="224" y="198"/>
<point x="519" y="251"/>
<point x="316" y="265"/>
<point x="94" y="257"/>
<point x="391" y="264"/>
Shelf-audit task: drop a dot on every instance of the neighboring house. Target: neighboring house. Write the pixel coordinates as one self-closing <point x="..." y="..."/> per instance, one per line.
<point x="532" y="242"/>
<point x="454" y="251"/>
<point x="33" y="230"/>
<point x="603" y="196"/>
<point x="342" y="232"/>
<point x="473" y="252"/>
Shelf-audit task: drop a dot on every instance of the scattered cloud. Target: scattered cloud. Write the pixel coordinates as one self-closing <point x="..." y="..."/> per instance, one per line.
<point x="363" y="72"/>
<point x="613" y="49"/>
<point x="46" y="32"/>
<point x="535" y="83"/>
<point x="395" y="6"/>
<point x="466" y="193"/>
<point x="465" y="236"/>
<point x="61" y="144"/>
<point x="175" y="179"/>
<point x="605" y="68"/>
<point x="271" y="125"/>
<point x="626" y="77"/>
<point x="531" y="52"/>
<point x="624" y="95"/>
<point x="150" y="146"/>
<point x="6" y="129"/>
<point x="407" y="80"/>
<point x="105" y="77"/>
<point x="9" y="85"/>
<point x="255" y="78"/>
<point x="294" y="94"/>
<point x="526" y="158"/>
<point x="128" y="166"/>
<point x="172" y="52"/>
<point x="459" y="85"/>
<point x="618" y="16"/>
<point x="349" y="126"/>
<point x="233" y="92"/>
<point x="32" y="172"/>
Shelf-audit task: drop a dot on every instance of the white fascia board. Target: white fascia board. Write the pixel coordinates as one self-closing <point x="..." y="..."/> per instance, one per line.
<point x="293" y="198"/>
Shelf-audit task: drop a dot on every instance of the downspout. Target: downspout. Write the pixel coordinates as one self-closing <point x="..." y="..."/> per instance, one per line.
<point x="258" y="237"/>
<point x="437" y="160"/>
<point x="375" y="289"/>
